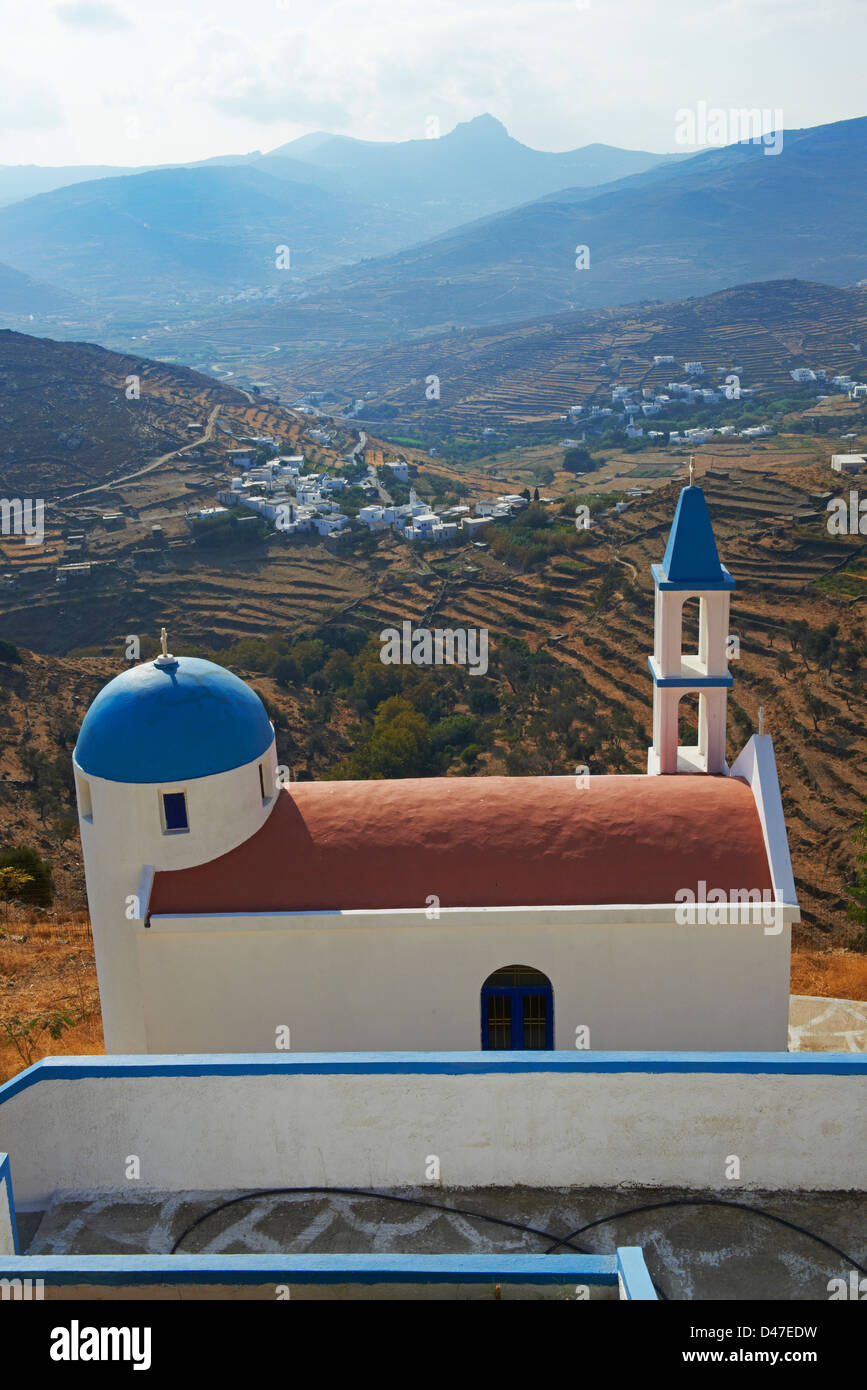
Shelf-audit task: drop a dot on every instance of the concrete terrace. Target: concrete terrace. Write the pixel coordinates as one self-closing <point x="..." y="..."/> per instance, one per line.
<point x="692" y="1252"/>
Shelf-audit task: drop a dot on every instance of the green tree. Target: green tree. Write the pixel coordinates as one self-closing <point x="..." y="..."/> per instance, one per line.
<point x="65" y="827"/>
<point x="338" y="670"/>
<point x="579" y="460"/>
<point x="398" y="745"/>
<point x="287" y="671"/>
<point x="817" y="709"/>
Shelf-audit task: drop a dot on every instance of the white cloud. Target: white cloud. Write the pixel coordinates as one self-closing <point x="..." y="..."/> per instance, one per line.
<point x="215" y="77"/>
<point x="92" y="14"/>
<point x="27" y="105"/>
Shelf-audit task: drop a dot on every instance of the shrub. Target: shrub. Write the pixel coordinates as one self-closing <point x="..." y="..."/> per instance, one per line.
<point x="40" y="889"/>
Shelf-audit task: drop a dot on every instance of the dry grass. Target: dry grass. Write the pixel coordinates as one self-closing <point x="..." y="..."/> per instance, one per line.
<point x="47" y="970"/>
<point x="832" y="974"/>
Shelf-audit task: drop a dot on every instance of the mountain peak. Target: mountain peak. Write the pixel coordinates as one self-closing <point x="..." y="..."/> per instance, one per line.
<point x="485" y="127"/>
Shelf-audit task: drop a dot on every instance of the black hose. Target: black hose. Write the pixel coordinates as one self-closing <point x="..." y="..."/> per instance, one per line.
<point x="519" y="1225"/>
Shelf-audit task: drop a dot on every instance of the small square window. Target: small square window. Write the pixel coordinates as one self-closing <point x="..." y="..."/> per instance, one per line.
<point x="175" y="811"/>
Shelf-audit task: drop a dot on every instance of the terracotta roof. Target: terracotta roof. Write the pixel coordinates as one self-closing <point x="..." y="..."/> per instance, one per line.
<point x="482" y="842"/>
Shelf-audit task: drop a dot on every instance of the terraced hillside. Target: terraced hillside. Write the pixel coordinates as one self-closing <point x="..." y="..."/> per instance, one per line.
<point x="530" y="372"/>
<point x="772" y="534"/>
<point x="570" y="625"/>
<point x="67" y="422"/>
<point x="570" y="617"/>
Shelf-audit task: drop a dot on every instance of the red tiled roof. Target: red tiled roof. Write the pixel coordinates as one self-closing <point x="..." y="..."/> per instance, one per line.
<point x="482" y="842"/>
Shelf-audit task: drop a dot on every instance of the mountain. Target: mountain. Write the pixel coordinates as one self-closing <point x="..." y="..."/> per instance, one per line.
<point x="212" y="227"/>
<point x="476" y="169"/>
<point x="19" y="181"/>
<point x="66" y="420"/>
<point x="722" y="217"/>
<point x="22" y="297"/>
<point x="177" y="232"/>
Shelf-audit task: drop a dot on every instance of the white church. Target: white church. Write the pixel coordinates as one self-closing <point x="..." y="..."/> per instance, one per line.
<point x="233" y="914"/>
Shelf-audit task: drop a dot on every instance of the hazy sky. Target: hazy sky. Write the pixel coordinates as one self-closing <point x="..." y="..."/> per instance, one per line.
<point x="94" y="81"/>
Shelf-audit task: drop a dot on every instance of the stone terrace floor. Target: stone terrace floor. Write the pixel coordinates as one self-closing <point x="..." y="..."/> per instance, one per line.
<point x="698" y="1252"/>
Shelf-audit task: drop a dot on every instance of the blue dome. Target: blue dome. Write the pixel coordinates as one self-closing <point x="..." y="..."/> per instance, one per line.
<point x="172" y="722"/>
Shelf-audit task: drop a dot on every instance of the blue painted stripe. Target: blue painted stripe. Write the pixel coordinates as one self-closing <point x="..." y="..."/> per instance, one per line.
<point x="313" y="1269"/>
<point x="433" y="1064"/>
<point x="693" y="586"/>
<point x="690" y="682"/>
<point x="6" y="1186"/>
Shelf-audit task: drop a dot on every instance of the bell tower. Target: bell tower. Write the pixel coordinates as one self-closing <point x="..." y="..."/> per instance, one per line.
<point x="690" y="569"/>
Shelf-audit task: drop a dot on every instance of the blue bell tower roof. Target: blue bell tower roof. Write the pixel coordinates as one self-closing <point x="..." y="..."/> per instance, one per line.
<point x="170" y="721"/>
<point x="691" y="560"/>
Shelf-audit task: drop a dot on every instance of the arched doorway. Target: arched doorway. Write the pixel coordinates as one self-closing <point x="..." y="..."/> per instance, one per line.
<point x="517" y="1010"/>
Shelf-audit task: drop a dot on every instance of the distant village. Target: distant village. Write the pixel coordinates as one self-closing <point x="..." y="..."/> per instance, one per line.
<point x="647" y="402"/>
<point x="633" y="404"/>
<point x="281" y="492"/>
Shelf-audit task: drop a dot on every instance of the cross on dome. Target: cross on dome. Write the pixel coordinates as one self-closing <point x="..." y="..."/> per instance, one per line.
<point x="165" y="658"/>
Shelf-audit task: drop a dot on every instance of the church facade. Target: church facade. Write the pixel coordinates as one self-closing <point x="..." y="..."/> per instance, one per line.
<point x="232" y="914"/>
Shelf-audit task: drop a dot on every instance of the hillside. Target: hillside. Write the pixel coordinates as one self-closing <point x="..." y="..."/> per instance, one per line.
<point x="20" y="181"/>
<point x="519" y="375"/>
<point x="66" y="422"/>
<point x="690" y="228"/>
<point x="23" y="297"/>
<point x="570" y="622"/>
<point x="187" y="232"/>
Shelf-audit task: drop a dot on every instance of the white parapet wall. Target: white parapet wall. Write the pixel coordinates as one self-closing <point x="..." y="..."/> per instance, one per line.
<point x="8" y="1235"/>
<point x="555" y="1119"/>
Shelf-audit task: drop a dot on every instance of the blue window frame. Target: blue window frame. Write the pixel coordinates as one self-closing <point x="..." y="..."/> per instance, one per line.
<point x="517" y="1010"/>
<point x="175" y="811"/>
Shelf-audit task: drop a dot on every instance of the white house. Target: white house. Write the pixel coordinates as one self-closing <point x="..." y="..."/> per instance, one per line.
<point x="472" y="524"/>
<point x="398" y="468"/>
<point x="326" y="525"/>
<point x="437" y="914"/>
<point x="373" y="517"/>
